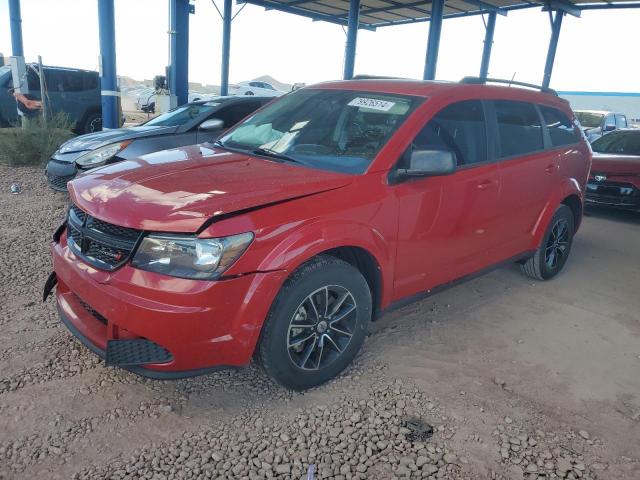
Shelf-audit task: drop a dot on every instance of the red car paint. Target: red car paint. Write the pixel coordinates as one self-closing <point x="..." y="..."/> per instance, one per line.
<point x="422" y="234"/>
<point x="615" y="181"/>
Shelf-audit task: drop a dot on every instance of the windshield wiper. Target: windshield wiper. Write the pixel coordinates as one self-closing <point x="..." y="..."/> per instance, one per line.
<point x="273" y="154"/>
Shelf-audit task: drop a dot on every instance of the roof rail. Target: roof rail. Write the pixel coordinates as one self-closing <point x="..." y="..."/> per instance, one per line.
<point x="482" y="81"/>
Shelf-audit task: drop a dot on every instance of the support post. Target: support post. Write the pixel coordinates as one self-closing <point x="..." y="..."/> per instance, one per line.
<point x="226" y="46"/>
<point x="108" y="78"/>
<point x="179" y="50"/>
<point x="352" y="38"/>
<point x="435" y="28"/>
<point x="488" y="42"/>
<point x="16" y="28"/>
<point x="556" y="25"/>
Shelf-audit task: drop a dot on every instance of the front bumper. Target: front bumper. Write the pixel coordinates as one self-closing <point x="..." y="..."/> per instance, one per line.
<point x="613" y="194"/>
<point x="59" y="172"/>
<point x="203" y="325"/>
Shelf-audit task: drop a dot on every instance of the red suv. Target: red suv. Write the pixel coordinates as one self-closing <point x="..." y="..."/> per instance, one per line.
<point x="317" y="214"/>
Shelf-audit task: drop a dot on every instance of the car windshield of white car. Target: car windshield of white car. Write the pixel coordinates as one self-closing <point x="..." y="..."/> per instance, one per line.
<point x="589" y="119"/>
<point x="181" y="115"/>
<point x="334" y="130"/>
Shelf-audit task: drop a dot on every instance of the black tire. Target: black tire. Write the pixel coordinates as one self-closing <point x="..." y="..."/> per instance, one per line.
<point x="92" y="123"/>
<point x="555" y="247"/>
<point x="282" y="353"/>
<point x="249" y="93"/>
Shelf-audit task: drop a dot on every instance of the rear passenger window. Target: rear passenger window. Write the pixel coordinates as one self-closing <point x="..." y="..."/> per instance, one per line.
<point x="621" y="121"/>
<point x="460" y="128"/>
<point x="560" y="128"/>
<point x="519" y="128"/>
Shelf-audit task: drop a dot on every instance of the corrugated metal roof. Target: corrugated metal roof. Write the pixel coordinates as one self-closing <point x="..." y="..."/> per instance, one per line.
<point x="380" y="13"/>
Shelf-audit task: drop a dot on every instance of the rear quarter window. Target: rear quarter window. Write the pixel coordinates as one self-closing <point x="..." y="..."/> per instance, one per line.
<point x="561" y="129"/>
<point x="519" y="128"/>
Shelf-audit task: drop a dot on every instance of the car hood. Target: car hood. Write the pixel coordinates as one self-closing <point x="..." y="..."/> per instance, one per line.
<point x="179" y="190"/>
<point x="91" y="141"/>
<point x="615" y="164"/>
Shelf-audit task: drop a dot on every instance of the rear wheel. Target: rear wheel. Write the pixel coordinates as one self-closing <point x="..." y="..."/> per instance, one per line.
<point x="317" y="324"/>
<point x="555" y="247"/>
<point x="248" y="92"/>
<point x="93" y="123"/>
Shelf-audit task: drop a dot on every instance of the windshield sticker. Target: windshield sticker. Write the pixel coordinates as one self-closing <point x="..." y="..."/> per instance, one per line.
<point x="371" y="103"/>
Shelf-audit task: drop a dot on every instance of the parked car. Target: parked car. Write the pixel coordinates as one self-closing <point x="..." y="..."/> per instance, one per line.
<point x="255" y="88"/>
<point x="72" y="91"/>
<point x="146" y="99"/>
<point x="322" y="211"/>
<point x="186" y="125"/>
<point x="597" y="123"/>
<point x="615" y="174"/>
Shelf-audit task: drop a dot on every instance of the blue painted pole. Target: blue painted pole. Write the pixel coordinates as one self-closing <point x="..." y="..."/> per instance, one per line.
<point x="108" y="78"/>
<point x="352" y="39"/>
<point x="435" y="28"/>
<point x="488" y="42"/>
<point x="179" y="50"/>
<point x="226" y="47"/>
<point x="173" y="50"/>
<point x="553" y="46"/>
<point x="16" y="28"/>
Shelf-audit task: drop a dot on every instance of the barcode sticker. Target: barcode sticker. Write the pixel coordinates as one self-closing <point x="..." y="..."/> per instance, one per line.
<point x="371" y="103"/>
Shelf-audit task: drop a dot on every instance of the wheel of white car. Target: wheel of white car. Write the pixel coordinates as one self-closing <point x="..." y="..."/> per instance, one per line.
<point x="248" y="92"/>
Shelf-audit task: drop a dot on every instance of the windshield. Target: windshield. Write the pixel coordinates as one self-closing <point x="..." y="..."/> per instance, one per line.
<point x="333" y="130"/>
<point x="589" y="119"/>
<point x="620" y="142"/>
<point x="181" y="115"/>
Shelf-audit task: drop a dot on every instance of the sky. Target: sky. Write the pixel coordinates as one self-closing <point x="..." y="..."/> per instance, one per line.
<point x="595" y="52"/>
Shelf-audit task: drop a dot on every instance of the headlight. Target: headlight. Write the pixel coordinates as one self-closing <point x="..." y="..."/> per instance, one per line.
<point x="190" y="257"/>
<point x="100" y="156"/>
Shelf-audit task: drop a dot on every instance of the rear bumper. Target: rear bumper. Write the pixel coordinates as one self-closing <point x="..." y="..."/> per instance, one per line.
<point x="204" y="326"/>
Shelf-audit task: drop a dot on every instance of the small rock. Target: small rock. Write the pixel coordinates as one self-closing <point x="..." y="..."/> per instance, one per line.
<point x="584" y="434"/>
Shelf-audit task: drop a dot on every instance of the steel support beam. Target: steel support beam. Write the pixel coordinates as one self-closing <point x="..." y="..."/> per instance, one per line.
<point x="435" y="28"/>
<point x="556" y="25"/>
<point x="488" y="42"/>
<point x="179" y="49"/>
<point x="352" y="39"/>
<point x="108" y="77"/>
<point x="16" y="28"/>
<point x="226" y="46"/>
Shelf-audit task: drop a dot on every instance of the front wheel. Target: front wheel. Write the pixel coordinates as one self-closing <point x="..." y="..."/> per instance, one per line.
<point x="555" y="247"/>
<point x="316" y="325"/>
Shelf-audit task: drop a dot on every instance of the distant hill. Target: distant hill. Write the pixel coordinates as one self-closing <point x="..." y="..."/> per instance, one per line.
<point x="285" y="87"/>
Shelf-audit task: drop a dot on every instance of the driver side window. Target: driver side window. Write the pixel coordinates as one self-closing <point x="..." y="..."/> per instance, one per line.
<point x="459" y="128"/>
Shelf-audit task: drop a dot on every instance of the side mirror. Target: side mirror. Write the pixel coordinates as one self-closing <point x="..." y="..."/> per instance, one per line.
<point x="429" y="163"/>
<point x="609" y="128"/>
<point x="211" y="125"/>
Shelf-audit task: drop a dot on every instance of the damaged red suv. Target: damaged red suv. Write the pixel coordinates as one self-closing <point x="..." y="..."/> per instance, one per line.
<point x="317" y="214"/>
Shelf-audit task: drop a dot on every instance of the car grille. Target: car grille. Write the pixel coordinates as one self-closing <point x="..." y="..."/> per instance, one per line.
<point x="90" y="310"/>
<point x="59" y="183"/>
<point x="103" y="245"/>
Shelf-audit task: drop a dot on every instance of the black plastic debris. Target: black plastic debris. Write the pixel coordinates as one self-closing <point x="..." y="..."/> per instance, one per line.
<point x="419" y="430"/>
<point x="16" y="188"/>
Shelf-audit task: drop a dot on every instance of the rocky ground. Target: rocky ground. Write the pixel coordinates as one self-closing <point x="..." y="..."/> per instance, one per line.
<point x="499" y="378"/>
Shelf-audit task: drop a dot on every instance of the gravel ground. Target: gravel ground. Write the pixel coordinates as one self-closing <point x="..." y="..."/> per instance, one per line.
<point x="498" y="378"/>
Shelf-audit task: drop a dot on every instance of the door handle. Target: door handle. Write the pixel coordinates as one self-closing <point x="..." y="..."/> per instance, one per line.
<point x="550" y="169"/>
<point x="484" y="185"/>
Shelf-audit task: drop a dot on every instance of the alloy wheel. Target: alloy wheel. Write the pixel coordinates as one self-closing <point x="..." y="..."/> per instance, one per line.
<point x="322" y="327"/>
<point x="558" y="243"/>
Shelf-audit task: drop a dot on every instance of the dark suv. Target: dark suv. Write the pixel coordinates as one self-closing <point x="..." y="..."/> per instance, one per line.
<point x="312" y="217"/>
<point x="72" y="91"/>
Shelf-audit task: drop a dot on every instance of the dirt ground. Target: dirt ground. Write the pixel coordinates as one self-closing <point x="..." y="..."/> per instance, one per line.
<point x="518" y="379"/>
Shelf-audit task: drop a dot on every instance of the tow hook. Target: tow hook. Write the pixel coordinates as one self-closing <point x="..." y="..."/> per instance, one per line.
<point x="49" y="285"/>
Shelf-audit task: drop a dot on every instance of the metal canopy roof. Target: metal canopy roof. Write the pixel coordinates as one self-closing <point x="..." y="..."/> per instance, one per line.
<point x="381" y="13"/>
